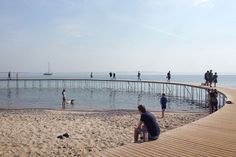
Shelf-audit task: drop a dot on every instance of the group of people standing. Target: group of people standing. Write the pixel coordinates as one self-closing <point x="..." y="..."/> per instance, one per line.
<point x="210" y="78"/>
<point x="112" y="75"/>
<point x="168" y="76"/>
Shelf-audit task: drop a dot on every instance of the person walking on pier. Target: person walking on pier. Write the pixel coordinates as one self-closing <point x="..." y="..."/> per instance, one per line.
<point x="9" y="75"/>
<point x="114" y="76"/>
<point x="168" y="76"/>
<point x="148" y="126"/>
<point x="163" y="102"/>
<point x="139" y="76"/>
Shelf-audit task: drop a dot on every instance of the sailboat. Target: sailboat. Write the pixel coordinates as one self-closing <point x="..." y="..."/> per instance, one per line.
<point x="48" y="73"/>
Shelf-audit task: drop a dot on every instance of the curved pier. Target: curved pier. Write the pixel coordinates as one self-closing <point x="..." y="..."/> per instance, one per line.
<point x="191" y="93"/>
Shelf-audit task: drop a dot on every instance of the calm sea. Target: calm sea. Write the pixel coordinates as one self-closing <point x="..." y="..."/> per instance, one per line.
<point x="101" y="99"/>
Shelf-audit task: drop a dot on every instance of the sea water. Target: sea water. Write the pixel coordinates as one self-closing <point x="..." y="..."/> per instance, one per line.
<point x="102" y="99"/>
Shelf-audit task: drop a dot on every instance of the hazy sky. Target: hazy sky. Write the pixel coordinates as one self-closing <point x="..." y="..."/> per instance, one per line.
<point x="118" y="35"/>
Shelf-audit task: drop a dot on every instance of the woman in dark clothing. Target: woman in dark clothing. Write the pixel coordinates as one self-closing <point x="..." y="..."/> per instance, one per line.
<point x="215" y="77"/>
<point x="213" y="102"/>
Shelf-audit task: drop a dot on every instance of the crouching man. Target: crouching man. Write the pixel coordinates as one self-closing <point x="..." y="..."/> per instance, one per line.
<point x="148" y="126"/>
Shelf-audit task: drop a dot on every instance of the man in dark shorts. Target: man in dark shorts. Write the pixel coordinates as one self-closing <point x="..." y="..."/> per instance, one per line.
<point x="147" y="126"/>
<point x="163" y="102"/>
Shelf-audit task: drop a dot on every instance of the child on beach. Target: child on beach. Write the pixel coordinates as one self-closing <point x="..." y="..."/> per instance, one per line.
<point x="163" y="102"/>
<point x="147" y="126"/>
<point x="63" y="98"/>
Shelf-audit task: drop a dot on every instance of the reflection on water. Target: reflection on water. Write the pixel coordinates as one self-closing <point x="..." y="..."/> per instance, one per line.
<point x="9" y="93"/>
<point x="112" y="99"/>
<point x="90" y="99"/>
<point x="139" y="99"/>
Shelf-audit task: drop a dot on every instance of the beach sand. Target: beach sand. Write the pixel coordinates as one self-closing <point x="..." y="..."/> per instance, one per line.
<point x="34" y="132"/>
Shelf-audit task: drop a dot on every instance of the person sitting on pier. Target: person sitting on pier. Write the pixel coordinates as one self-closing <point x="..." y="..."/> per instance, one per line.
<point x="147" y="126"/>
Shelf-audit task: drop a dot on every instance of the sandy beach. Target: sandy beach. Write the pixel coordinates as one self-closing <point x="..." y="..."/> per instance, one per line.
<point x="34" y="132"/>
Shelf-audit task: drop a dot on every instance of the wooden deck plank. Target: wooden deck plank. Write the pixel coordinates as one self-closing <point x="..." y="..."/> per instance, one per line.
<point x="151" y="150"/>
<point x="209" y="141"/>
<point x="189" y="148"/>
<point x="200" y="147"/>
<point x="211" y="132"/>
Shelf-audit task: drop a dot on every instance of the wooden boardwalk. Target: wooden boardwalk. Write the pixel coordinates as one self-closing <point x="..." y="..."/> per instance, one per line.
<point x="214" y="135"/>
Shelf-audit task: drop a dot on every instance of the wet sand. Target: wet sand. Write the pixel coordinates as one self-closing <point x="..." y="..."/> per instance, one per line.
<point x="34" y="132"/>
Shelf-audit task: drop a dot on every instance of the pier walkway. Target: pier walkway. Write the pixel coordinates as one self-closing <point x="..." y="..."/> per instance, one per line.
<point x="214" y="135"/>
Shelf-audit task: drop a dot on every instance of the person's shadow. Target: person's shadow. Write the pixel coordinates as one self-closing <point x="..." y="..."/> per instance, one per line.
<point x="139" y="101"/>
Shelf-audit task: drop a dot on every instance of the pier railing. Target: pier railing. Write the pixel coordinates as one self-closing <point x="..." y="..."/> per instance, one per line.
<point x="192" y="93"/>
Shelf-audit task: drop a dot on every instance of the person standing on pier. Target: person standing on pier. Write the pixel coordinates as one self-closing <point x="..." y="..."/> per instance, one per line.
<point x="163" y="102"/>
<point x="91" y="75"/>
<point x="215" y="77"/>
<point x="9" y="75"/>
<point x="210" y="77"/>
<point x="114" y="76"/>
<point x="212" y="102"/>
<point x="110" y="75"/>
<point x="206" y="77"/>
<point x="139" y="76"/>
<point x="168" y="76"/>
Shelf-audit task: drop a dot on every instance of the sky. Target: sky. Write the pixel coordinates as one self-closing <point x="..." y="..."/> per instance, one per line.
<point x="189" y="36"/>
